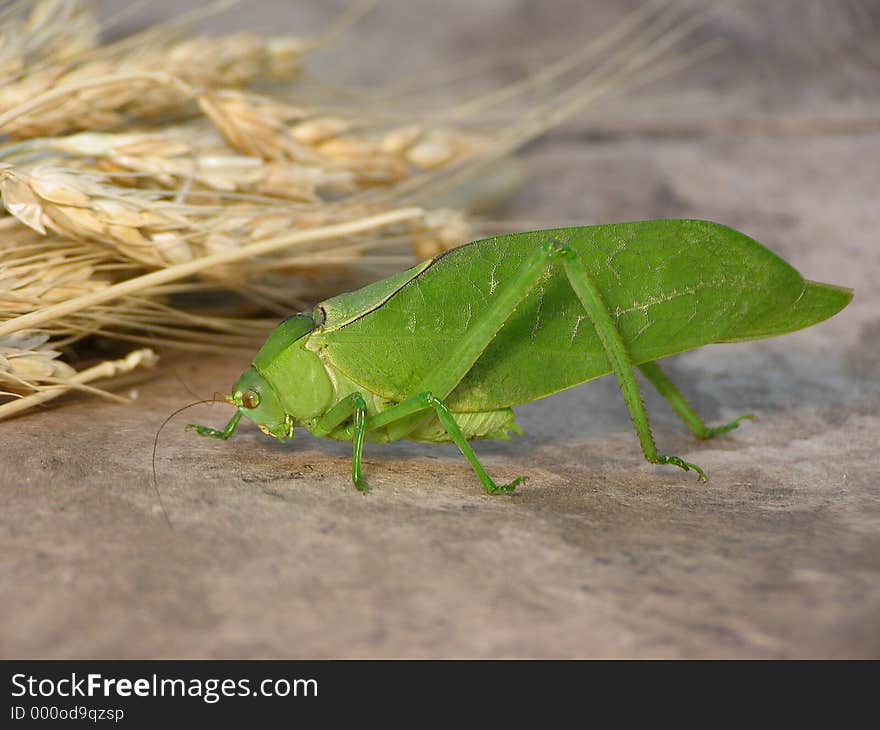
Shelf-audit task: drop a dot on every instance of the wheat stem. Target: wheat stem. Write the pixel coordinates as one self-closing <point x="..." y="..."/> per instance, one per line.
<point x="172" y="273"/>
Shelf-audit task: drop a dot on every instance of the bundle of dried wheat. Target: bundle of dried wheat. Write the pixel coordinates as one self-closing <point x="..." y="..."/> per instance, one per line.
<point x="137" y="172"/>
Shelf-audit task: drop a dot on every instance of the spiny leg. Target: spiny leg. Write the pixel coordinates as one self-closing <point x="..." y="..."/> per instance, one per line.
<point x="615" y="348"/>
<point x="352" y="406"/>
<point x="666" y="388"/>
<point x="357" y="441"/>
<point x="213" y="432"/>
<point x="425" y="401"/>
<point x="458" y="437"/>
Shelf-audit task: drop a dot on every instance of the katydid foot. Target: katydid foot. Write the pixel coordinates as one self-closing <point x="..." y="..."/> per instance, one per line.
<point x="492" y="488"/>
<point x="709" y="432"/>
<point x="206" y="431"/>
<point x="678" y="461"/>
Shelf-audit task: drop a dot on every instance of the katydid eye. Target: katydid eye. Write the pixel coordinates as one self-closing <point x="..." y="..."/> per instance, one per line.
<point x="250" y="399"/>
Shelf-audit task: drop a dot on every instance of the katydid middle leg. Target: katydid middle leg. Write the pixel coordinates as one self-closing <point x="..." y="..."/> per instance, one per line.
<point x="426" y="401"/>
<point x="354" y="407"/>
<point x="666" y="388"/>
<point x="618" y="356"/>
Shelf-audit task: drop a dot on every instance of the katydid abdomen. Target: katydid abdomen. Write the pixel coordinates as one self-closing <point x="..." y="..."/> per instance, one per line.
<point x="440" y="352"/>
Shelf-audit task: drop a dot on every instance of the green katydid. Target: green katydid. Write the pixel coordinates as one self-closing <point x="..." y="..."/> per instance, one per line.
<point x="442" y="351"/>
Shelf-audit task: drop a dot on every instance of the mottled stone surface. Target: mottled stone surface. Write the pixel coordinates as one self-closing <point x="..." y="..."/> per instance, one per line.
<point x="273" y="554"/>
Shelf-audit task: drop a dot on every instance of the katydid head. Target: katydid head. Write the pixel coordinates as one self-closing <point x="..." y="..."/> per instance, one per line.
<point x="287" y="384"/>
<point x="257" y="400"/>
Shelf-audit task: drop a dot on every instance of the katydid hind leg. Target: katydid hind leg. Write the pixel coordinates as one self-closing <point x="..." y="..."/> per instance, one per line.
<point x="618" y="356"/>
<point x="666" y="388"/>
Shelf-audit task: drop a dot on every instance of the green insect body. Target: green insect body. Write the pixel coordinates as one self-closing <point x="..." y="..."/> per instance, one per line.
<point x="442" y="351"/>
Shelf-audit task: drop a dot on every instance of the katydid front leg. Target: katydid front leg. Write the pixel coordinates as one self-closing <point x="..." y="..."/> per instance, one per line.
<point x="213" y="433"/>
<point x="618" y="356"/>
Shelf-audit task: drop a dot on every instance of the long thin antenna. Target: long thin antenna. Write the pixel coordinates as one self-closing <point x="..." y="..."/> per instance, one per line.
<point x="156" y="446"/>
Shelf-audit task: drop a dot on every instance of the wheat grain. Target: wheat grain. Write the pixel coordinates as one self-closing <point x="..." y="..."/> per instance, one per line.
<point x="27" y="361"/>
<point x="148" y="168"/>
<point x="107" y="369"/>
<point x="108" y="91"/>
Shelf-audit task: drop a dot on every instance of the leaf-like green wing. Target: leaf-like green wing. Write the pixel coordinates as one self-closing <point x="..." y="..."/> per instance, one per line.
<point x="341" y="310"/>
<point x="818" y="302"/>
<point x="670" y="285"/>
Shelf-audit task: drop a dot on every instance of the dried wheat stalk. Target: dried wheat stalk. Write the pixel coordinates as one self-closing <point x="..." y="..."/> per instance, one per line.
<point x="135" y="172"/>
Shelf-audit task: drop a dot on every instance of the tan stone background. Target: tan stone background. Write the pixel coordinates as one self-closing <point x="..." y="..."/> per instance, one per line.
<point x="273" y="553"/>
